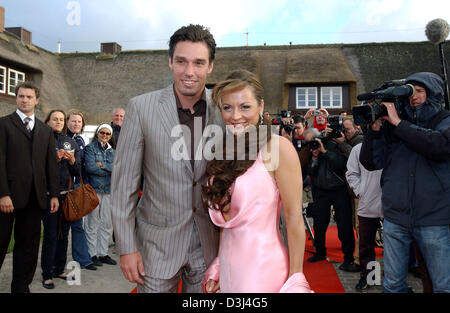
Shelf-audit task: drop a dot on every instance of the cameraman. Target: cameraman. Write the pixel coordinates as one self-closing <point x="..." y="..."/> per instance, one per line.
<point x="326" y="169"/>
<point x="413" y="149"/>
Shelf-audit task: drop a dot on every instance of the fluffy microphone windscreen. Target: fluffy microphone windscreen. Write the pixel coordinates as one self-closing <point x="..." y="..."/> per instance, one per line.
<point x="437" y="30"/>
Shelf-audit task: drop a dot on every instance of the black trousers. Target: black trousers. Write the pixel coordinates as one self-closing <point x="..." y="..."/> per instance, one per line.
<point x="27" y="235"/>
<point x="340" y="200"/>
<point x="367" y="232"/>
<point x="54" y="243"/>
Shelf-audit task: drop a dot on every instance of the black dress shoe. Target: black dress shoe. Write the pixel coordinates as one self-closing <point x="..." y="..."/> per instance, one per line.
<point x="107" y="259"/>
<point x="48" y="285"/>
<point x="90" y="267"/>
<point x="316" y="258"/>
<point x="350" y="267"/>
<point x="96" y="261"/>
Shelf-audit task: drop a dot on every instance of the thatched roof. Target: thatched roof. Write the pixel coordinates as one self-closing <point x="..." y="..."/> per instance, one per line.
<point x="318" y="65"/>
<point x="226" y="62"/>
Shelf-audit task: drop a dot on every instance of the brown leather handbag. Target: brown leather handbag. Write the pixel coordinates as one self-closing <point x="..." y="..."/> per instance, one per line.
<point x="79" y="202"/>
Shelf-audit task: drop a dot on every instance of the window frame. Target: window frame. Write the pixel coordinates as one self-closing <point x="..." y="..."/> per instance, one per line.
<point x="331" y="106"/>
<point x="16" y="74"/>
<point x="307" y="106"/>
<point x="5" y="76"/>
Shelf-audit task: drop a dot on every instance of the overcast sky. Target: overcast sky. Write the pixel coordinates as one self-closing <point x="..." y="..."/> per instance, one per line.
<point x="147" y="24"/>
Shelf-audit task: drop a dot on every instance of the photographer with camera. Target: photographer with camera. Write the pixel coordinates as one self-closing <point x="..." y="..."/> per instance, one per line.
<point x="293" y="128"/>
<point x="343" y="131"/>
<point x="413" y="148"/>
<point x="326" y="169"/>
<point x="319" y="118"/>
<point x="351" y="136"/>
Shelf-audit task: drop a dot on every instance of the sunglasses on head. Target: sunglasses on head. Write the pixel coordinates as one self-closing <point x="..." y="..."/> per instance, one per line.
<point x="104" y="133"/>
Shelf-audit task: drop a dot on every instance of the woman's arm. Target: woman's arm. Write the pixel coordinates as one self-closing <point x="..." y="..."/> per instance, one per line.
<point x="90" y="164"/>
<point x="288" y="175"/>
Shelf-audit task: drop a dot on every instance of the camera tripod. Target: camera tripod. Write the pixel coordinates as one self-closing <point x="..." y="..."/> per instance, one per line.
<point x="307" y="225"/>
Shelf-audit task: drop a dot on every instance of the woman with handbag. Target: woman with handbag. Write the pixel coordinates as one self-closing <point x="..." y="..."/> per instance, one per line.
<point x="80" y="253"/>
<point x="56" y="228"/>
<point x="99" y="157"/>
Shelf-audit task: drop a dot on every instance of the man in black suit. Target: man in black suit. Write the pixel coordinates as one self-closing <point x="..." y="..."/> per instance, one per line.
<point x="28" y="171"/>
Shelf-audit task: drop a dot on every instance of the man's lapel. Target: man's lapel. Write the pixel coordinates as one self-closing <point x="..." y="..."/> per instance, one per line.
<point x="17" y="121"/>
<point x="169" y="118"/>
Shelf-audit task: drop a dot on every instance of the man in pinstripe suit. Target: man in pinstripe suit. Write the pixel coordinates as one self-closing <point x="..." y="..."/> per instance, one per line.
<point x="168" y="235"/>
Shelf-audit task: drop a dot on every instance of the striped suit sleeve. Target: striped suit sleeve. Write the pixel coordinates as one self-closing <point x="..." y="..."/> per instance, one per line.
<point x="125" y="180"/>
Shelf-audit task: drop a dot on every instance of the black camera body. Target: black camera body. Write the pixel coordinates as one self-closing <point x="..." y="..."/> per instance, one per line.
<point x="289" y="128"/>
<point x="392" y="91"/>
<point x="314" y="143"/>
<point x="336" y="124"/>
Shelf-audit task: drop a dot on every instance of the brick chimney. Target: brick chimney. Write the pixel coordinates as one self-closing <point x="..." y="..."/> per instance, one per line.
<point x="110" y="48"/>
<point x="22" y="33"/>
<point x="2" y="19"/>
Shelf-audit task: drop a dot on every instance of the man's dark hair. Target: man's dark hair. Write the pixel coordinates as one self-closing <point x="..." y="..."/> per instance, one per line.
<point x="28" y="85"/>
<point x="298" y="119"/>
<point x="193" y="33"/>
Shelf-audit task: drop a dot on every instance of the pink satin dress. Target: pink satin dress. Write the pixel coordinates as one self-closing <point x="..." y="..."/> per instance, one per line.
<point x="252" y="256"/>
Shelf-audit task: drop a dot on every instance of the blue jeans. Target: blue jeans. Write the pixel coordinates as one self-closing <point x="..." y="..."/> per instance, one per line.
<point x="79" y="244"/>
<point x="433" y="242"/>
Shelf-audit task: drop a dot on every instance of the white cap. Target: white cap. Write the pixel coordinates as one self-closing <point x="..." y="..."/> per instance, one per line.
<point x="105" y="126"/>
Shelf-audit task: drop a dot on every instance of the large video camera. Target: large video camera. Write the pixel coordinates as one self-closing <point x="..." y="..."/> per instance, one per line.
<point x="370" y="110"/>
<point x="288" y="128"/>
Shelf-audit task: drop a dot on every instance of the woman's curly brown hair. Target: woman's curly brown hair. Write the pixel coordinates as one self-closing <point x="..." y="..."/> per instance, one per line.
<point x="228" y="166"/>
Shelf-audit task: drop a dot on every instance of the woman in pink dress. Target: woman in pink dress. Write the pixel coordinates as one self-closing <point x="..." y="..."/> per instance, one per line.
<point x="244" y="196"/>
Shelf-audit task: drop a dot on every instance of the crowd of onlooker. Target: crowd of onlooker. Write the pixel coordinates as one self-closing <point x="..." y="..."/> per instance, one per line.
<point x="363" y="176"/>
<point x="91" y="163"/>
<point x="28" y="164"/>
<point x="391" y="175"/>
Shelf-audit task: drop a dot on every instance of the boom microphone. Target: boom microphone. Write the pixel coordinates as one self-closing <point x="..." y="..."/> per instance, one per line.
<point x="437" y="30"/>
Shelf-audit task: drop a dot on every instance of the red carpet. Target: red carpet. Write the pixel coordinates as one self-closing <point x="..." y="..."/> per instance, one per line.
<point x="322" y="276"/>
<point x="333" y="245"/>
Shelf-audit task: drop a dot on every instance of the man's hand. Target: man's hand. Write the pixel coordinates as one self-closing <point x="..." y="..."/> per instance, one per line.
<point x="309" y="114"/>
<point x="286" y="135"/>
<point x="6" y="205"/>
<point x="54" y="204"/>
<point x="212" y="286"/>
<point x="99" y="164"/>
<point x="340" y="139"/>
<point x="321" y="149"/>
<point x="392" y="117"/>
<point x="132" y="267"/>
<point x="376" y="126"/>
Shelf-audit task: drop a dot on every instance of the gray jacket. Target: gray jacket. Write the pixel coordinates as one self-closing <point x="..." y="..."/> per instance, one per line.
<point x="365" y="185"/>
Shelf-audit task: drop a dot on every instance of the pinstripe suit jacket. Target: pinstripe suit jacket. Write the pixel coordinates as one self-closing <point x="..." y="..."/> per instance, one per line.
<point x="160" y="226"/>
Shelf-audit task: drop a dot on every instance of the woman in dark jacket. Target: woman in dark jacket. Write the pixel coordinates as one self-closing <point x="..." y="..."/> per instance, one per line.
<point x="56" y="228"/>
<point x="80" y="253"/>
